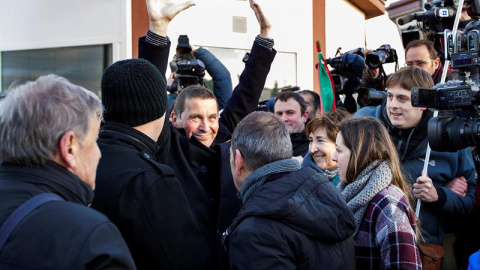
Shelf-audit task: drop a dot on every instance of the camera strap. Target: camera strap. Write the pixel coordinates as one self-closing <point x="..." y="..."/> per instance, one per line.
<point x="21" y="212"/>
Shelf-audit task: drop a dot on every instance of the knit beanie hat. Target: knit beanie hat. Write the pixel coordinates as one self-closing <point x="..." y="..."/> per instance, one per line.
<point x="133" y="92"/>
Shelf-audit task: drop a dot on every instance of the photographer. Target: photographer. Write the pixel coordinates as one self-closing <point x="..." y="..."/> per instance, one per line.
<point x="418" y="53"/>
<point x="407" y="126"/>
<point x="222" y="82"/>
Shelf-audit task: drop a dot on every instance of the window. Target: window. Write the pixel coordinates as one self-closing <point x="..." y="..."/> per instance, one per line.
<point x="82" y="65"/>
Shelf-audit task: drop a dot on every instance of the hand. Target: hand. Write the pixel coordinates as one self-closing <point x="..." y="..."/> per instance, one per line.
<point x="161" y="12"/>
<point x="262" y="20"/>
<point x="424" y="189"/>
<point x="458" y="186"/>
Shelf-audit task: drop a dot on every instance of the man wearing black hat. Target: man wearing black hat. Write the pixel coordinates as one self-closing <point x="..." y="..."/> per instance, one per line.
<point x="194" y="143"/>
<point x="141" y="196"/>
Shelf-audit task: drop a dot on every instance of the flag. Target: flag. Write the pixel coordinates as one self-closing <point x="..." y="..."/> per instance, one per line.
<point x="327" y="95"/>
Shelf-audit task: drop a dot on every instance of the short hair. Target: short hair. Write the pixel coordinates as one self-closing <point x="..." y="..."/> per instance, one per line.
<point x="261" y="138"/>
<point x="286" y="95"/>
<point x="35" y="115"/>
<point x="314" y="95"/>
<point x="191" y="92"/>
<point x="409" y="77"/>
<point x="368" y="141"/>
<point x="423" y="42"/>
<point x="330" y="121"/>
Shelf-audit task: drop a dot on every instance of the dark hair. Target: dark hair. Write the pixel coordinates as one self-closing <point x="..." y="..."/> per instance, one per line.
<point x="191" y="92"/>
<point x="315" y="96"/>
<point x="423" y="42"/>
<point x="369" y="140"/>
<point x="409" y="77"/>
<point x="330" y="121"/>
<point x="286" y="95"/>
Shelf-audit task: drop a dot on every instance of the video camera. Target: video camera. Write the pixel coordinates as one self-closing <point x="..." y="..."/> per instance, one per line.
<point x="451" y="133"/>
<point x="186" y="68"/>
<point x="382" y="55"/>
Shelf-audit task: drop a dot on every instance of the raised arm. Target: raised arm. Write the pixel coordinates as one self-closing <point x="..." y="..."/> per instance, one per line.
<point x="246" y="95"/>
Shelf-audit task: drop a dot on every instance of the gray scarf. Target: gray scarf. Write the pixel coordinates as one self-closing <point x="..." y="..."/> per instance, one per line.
<point x="373" y="179"/>
<point x="257" y="178"/>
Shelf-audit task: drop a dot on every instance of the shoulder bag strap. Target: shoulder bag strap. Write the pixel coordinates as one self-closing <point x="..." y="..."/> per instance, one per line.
<point x="21" y="212"/>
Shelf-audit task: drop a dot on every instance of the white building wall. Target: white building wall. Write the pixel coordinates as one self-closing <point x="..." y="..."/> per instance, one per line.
<point x="37" y="24"/>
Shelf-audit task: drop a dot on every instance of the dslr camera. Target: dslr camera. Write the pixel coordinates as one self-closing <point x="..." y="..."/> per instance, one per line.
<point x="382" y="55"/>
<point x="186" y="68"/>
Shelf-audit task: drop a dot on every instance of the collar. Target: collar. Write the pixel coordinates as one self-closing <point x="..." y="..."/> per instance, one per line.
<point x="55" y="178"/>
<point x="129" y="135"/>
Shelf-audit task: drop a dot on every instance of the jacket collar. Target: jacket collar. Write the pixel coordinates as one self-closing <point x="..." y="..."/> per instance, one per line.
<point x="130" y="136"/>
<point x="56" y="179"/>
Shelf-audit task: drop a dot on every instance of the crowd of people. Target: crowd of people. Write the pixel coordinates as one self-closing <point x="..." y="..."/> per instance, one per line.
<point x="142" y="179"/>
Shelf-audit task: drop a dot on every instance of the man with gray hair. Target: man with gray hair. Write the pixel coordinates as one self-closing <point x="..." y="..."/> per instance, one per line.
<point x="292" y="217"/>
<point x="48" y="130"/>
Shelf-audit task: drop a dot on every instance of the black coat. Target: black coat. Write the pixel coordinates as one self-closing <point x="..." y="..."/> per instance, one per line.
<point x="297" y="221"/>
<point x="300" y="144"/>
<point x="59" y="234"/>
<point x="204" y="172"/>
<point x="146" y="201"/>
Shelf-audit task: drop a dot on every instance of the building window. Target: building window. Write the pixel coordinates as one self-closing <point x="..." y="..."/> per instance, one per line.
<point x="82" y="65"/>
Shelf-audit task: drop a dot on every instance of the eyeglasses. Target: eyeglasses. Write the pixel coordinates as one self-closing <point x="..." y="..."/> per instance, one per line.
<point x="418" y="63"/>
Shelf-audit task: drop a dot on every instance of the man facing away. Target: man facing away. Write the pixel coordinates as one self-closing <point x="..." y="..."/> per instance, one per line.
<point x="48" y="134"/>
<point x="143" y="197"/>
<point x="292" y="217"/>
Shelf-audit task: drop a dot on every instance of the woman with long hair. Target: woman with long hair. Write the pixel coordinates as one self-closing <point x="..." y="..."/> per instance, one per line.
<point x="374" y="188"/>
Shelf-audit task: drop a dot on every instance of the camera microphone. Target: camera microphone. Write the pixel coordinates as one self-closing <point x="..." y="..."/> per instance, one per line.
<point x="406" y="19"/>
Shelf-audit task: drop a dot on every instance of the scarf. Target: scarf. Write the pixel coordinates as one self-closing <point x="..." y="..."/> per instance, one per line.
<point x="258" y="177"/>
<point x="373" y="179"/>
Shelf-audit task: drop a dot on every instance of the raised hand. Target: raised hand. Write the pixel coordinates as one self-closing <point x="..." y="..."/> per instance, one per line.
<point x="161" y="12"/>
<point x="262" y="20"/>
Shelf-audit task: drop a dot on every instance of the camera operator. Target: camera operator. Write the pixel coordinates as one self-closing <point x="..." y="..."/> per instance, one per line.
<point x="222" y="82"/>
<point x="407" y="126"/>
<point x="419" y="53"/>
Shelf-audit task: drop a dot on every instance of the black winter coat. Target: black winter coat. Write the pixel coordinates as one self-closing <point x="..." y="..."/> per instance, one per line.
<point x="204" y="172"/>
<point x="59" y="234"/>
<point x="298" y="221"/>
<point x="147" y="203"/>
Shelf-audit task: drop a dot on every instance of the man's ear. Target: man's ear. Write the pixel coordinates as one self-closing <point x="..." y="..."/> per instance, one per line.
<point x="305" y="116"/>
<point x="68" y="149"/>
<point x="436" y="62"/>
<point x="174" y="119"/>
<point x="239" y="163"/>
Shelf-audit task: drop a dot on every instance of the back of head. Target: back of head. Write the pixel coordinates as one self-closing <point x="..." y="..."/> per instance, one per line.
<point x="35" y="115"/>
<point x="286" y="95"/>
<point x="330" y="121"/>
<point x="133" y="92"/>
<point x="409" y="77"/>
<point x="315" y="97"/>
<point x="191" y="92"/>
<point x="262" y="138"/>
<point x="368" y="140"/>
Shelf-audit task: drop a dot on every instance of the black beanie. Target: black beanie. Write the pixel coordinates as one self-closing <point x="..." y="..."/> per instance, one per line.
<point x="133" y="92"/>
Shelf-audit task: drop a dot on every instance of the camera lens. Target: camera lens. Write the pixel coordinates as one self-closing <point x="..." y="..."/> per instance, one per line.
<point x="451" y="134"/>
<point x="370" y="97"/>
<point x="376" y="59"/>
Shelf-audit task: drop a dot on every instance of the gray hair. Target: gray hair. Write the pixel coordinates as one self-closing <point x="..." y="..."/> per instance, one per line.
<point x="261" y="138"/>
<point x="35" y="115"/>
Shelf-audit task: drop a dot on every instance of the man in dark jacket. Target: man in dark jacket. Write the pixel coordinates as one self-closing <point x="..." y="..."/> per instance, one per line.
<point x="292" y="217"/>
<point x="48" y="133"/>
<point x="292" y="109"/>
<point x="193" y="143"/>
<point x="407" y="126"/>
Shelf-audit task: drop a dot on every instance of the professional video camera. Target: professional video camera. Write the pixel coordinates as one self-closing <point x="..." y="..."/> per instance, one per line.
<point x="186" y="68"/>
<point x="346" y="74"/>
<point x="451" y="133"/>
